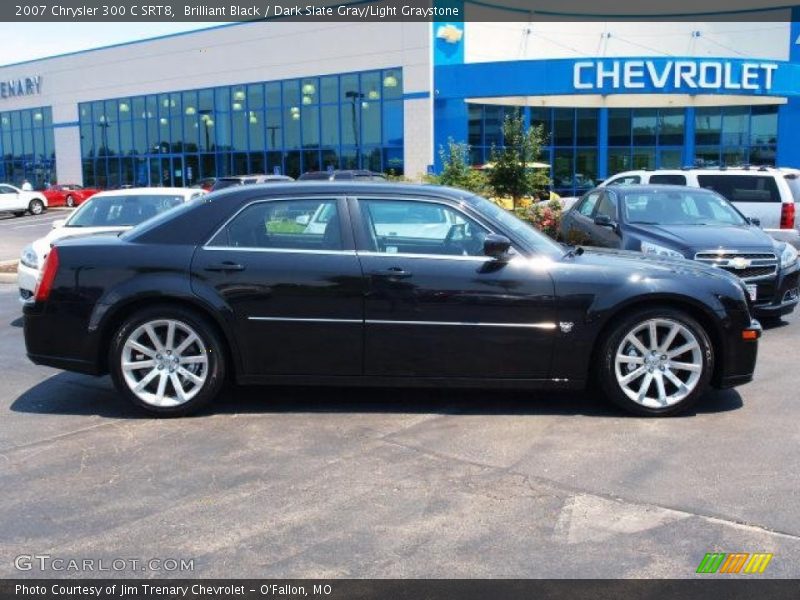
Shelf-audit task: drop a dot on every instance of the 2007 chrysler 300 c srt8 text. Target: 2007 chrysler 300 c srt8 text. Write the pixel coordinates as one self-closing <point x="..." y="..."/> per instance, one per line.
<point x="380" y="284"/>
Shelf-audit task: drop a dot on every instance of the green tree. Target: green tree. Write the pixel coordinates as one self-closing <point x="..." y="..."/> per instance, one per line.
<point x="512" y="175"/>
<point x="457" y="171"/>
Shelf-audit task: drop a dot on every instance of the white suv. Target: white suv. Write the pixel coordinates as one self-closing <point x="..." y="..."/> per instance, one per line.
<point x="768" y="194"/>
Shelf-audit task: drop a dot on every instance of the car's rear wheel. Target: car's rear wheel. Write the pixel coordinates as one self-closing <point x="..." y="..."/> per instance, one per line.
<point x="168" y="361"/>
<point x="36" y="207"/>
<point x="70" y="202"/>
<point x="656" y="362"/>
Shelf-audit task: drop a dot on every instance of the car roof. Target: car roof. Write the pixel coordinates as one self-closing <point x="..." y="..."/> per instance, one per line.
<point x="147" y="190"/>
<point x="656" y="187"/>
<point x="343" y="188"/>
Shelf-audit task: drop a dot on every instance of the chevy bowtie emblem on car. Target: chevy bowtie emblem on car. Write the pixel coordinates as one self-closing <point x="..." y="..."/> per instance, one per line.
<point x="566" y="326"/>
<point x="739" y="262"/>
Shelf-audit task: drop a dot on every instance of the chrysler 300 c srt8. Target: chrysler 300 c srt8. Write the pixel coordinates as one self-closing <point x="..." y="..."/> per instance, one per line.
<point x="404" y="285"/>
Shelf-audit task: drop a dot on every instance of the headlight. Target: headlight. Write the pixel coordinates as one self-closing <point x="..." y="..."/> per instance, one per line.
<point x="788" y="256"/>
<point x="657" y="250"/>
<point x="29" y="257"/>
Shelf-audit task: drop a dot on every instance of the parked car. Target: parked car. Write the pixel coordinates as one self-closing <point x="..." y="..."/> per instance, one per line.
<point x="18" y="202"/>
<point x="342" y="175"/>
<point x="105" y="212"/>
<point x="696" y="224"/>
<point x="207" y="183"/>
<point x="227" y="287"/>
<point x="67" y="194"/>
<point x="225" y="182"/>
<point x="765" y="193"/>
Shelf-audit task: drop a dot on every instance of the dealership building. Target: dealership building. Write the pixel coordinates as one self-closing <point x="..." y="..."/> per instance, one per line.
<point x="289" y="97"/>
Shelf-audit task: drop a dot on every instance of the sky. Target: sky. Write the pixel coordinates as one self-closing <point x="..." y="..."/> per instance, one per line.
<point x="27" y="41"/>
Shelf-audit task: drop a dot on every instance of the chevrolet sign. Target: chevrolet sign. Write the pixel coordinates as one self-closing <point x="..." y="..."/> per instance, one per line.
<point x="685" y="75"/>
<point x="24" y="86"/>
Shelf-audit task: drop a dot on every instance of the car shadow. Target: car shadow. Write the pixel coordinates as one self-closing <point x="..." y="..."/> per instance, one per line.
<point x="772" y="324"/>
<point x="72" y="394"/>
<point x="18" y="322"/>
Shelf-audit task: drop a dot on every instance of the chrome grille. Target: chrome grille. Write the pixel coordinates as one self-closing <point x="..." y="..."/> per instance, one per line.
<point x="745" y="265"/>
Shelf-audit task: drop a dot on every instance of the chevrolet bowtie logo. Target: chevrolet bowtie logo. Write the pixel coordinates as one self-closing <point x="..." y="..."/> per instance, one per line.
<point x="739" y="263"/>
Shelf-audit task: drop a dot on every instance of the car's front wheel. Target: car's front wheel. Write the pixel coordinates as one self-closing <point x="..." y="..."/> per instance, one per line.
<point x="656" y="362"/>
<point x="167" y="360"/>
<point x="70" y="201"/>
<point x="36" y="207"/>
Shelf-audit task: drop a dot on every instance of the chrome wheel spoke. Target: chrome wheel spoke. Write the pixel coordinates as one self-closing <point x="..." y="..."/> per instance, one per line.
<point x="632" y="376"/>
<point x="192" y="360"/>
<point x="186" y="343"/>
<point x="170" y="336"/>
<point x="653" y="331"/>
<point x="631" y="360"/>
<point x="675" y="380"/>
<point x="138" y="364"/>
<point x="178" y="387"/>
<point x="682" y="366"/>
<point x="662" y="392"/>
<point x="162" y="387"/>
<point x="634" y="341"/>
<point x="151" y="333"/>
<point x="688" y="347"/>
<point x="146" y="380"/>
<point x="190" y="376"/>
<point x="645" y="386"/>
<point x="141" y="348"/>
<point x="673" y="332"/>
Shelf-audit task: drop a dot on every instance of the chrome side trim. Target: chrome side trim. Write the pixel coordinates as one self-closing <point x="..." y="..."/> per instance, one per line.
<point x="463" y="324"/>
<point x="281" y="250"/>
<point x="297" y="320"/>
<point x="543" y="325"/>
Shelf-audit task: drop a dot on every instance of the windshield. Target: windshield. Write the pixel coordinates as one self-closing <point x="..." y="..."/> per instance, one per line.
<point x="122" y="211"/>
<point x="679" y="207"/>
<point x="532" y="237"/>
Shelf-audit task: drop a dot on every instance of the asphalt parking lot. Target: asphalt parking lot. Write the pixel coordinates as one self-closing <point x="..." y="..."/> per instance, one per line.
<point x="281" y="482"/>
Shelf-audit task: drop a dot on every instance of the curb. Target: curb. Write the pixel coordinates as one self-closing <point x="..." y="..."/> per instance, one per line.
<point x="8" y="277"/>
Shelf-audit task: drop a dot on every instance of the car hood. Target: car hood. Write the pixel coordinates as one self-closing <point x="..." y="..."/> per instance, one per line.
<point x="42" y="245"/>
<point x="705" y="237"/>
<point x="656" y="267"/>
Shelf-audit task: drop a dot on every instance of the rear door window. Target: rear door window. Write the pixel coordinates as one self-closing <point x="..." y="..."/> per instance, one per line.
<point x="668" y="179"/>
<point x="742" y="188"/>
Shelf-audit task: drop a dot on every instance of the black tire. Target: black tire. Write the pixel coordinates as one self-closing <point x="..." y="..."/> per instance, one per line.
<point x="70" y="201"/>
<point x="605" y="374"/>
<point x="209" y="340"/>
<point x="36" y="207"/>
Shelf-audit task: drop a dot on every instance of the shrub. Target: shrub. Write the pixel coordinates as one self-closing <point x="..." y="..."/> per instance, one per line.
<point x="457" y="171"/>
<point x="544" y="216"/>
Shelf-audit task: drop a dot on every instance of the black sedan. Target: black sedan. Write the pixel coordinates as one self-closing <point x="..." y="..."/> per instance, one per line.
<point x="380" y="284"/>
<point x="693" y="223"/>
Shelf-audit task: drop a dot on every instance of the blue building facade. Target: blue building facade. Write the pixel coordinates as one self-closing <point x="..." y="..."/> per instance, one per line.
<point x="604" y="114"/>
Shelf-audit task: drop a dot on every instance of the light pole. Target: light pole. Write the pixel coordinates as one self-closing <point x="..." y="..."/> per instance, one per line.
<point x="205" y="117"/>
<point x="354" y="97"/>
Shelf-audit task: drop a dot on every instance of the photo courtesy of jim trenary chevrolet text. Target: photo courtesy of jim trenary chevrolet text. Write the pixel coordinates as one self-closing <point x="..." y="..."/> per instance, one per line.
<point x="355" y="299"/>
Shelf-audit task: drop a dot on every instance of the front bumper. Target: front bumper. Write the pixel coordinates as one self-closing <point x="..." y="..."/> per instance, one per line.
<point x="738" y="361"/>
<point x="26" y="282"/>
<point x="778" y="296"/>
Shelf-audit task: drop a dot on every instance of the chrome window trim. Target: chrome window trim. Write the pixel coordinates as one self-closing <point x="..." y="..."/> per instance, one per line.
<point x="429" y="256"/>
<point x="280" y="250"/>
<point x="335" y="198"/>
<point x="306" y="320"/>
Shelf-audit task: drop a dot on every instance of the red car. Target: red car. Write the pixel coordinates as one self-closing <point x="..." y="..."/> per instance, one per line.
<point x="67" y="194"/>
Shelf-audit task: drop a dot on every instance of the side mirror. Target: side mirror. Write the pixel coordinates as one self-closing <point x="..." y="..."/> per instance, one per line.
<point x="754" y="221"/>
<point x="59" y="223"/>
<point x="604" y="221"/>
<point x="303" y="220"/>
<point x="496" y="246"/>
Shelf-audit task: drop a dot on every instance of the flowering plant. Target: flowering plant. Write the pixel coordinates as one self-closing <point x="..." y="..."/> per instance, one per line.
<point x="544" y="216"/>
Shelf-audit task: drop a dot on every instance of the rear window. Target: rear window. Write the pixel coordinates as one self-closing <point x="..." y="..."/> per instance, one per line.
<point x="625" y="180"/>
<point x="668" y="179"/>
<point x="742" y="188"/>
<point x="794" y="185"/>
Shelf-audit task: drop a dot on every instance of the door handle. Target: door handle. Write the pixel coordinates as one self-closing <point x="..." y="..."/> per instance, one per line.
<point x="225" y="266"/>
<point x="392" y="273"/>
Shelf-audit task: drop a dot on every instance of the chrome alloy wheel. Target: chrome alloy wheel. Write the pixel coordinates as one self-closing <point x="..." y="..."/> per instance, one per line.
<point x="658" y="363"/>
<point x="164" y="363"/>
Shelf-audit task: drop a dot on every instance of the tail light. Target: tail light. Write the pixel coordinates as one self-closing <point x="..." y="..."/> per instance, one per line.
<point x="787" y="215"/>
<point x="49" y="270"/>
